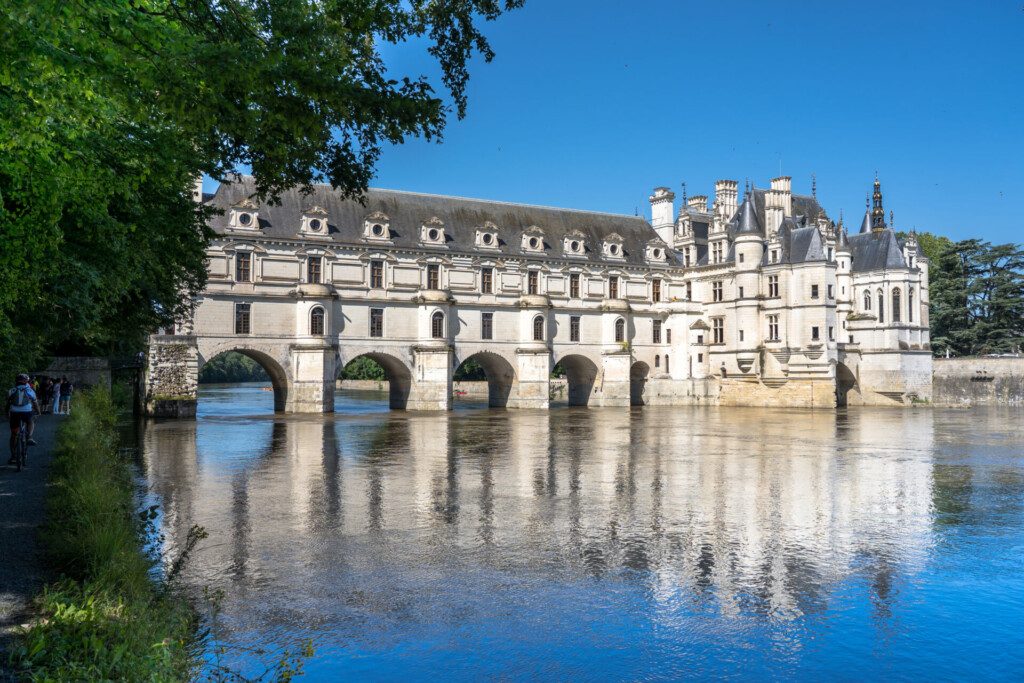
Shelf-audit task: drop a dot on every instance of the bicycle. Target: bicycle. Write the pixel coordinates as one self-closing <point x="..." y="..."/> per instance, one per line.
<point x="21" y="447"/>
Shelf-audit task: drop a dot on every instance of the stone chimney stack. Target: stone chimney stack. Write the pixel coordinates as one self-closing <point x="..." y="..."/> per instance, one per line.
<point x="774" y="209"/>
<point x="784" y="185"/>
<point x="197" y="189"/>
<point x="726" y="198"/>
<point x="663" y="212"/>
<point x="699" y="203"/>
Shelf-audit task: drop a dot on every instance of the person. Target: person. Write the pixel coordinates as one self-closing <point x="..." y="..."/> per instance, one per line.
<point x="22" y="404"/>
<point x="56" y="397"/>
<point x="66" y="389"/>
<point x="47" y="396"/>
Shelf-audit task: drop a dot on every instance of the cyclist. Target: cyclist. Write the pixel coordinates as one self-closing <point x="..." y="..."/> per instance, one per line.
<point x="21" y="406"/>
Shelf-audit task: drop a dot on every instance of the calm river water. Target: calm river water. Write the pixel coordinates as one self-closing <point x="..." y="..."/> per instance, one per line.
<point x="611" y="544"/>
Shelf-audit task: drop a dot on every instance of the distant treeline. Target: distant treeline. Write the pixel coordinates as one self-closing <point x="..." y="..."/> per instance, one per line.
<point x="232" y="367"/>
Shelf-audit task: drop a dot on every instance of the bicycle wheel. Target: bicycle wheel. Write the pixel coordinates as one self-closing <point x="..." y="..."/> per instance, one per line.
<point x="19" y="451"/>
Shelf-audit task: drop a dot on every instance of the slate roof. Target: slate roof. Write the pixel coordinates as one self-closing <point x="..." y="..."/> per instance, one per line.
<point x="799" y="243"/>
<point x="408" y="211"/>
<point x="876" y="251"/>
<point x="803" y="205"/>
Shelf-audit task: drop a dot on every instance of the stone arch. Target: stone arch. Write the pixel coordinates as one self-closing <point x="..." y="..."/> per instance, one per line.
<point x="499" y="372"/>
<point x="396" y="371"/>
<point x="846" y="382"/>
<point x="274" y="368"/>
<point x="581" y="376"/>
<point x="638" y="373"/>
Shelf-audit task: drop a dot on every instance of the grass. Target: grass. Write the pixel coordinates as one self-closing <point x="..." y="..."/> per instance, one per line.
<point x="107" y="618"/>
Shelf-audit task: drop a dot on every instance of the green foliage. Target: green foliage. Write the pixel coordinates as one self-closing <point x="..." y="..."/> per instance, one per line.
<point x="232" y="367"/>
<point x="470" y="371"/>
<point x="363" y="368"/>
<point x="106" y="619"/>
<point x="110" y="108"/>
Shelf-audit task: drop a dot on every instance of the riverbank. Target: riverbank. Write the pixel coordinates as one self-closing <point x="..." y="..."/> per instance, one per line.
<point x="105" y="618"/>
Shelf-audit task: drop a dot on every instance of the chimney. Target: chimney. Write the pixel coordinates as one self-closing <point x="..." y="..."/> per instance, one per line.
<point x="784" y="185"/>
<point x="197" y="189"/>
<point x="774" y="209"/>
<point x="662" y="212"/>
<point x="726" y="197"/>
<point x="699" y="203"/>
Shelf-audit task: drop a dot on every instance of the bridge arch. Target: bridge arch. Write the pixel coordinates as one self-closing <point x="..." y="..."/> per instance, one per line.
<point x="499" y="372"/>
<point x="846" y="382"/>
<point x="581" y="375"/>
<point x="638" y="374"/>
<point x="396" y="370"/>
<point x="273" y="366"/>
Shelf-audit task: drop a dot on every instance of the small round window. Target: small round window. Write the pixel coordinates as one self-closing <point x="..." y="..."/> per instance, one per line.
<point x="315" y="225"/>
<point x="534" y="243"/>
<point x="377" y="230"/>
<point x="657" y="253"/>
<point x="487" y="238"/>
<point x="613" y="249"/>
<point x="574" y="245"/>
<point x="245" y="218"/>
<point x="433" y="234"/>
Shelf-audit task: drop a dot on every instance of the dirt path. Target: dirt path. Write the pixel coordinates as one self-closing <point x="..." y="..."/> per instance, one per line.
<point x="22" y="505"/>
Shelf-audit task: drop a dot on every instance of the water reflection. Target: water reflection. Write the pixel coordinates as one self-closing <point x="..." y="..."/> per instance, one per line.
<point x="652" y="541"/>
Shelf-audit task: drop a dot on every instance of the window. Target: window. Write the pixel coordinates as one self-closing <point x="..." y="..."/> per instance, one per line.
<point x="656" y="332"/>
<point x="700" y="357"/>
<point x="243" y="318"/>
<point x="574" y="328"/>
<point x="773" y="328"/>
<point x="897" y="306"/>
<point x="316" y="320"/>
<point x="657" y="361"/>
<point x="531" y="282"/>
<point x="433" y="276"/>
<point x="574" y="286"/>
<point x="741" y="257"/>
<point x="666" y="362"/>
<point x="910" y="304"/>
<point x="815" y="336"/>
<point x="716" y="252"/>
<point x="716" y="290"/>
<point x="718" y="330"/>
<point x="830" y="253"/>
<point x="881" y="307"/>
<point x="437" y="325"/>
<point x="538" y="328"/>
<point x="689" y="291"/>
<point x="620" y="330"/>
<point x="831" y="333"/>
<point x="741" y="335"/>
<point x="741" y="292"/>
<point x="773" y="286"/>
<point x="377" y="274"/>
<point x="814" y="291"/>
<point x="486" y="280"/>
<point x="774" y="256"/>
<point x="656" y="291"/>
<point x="613" y="287"/>
<point x="243" y="267"/>
<point x="314" y="265"/>
<point x="867" y="300"/>
<point x="668" y="336"/>
<point x="487" y="326"/>
<point x="831" y="292"/>
<point x="700" y="338"/>
<point x="376" y="322"/>
<point x="686" y="257"/>
<point x="851" y="338"/>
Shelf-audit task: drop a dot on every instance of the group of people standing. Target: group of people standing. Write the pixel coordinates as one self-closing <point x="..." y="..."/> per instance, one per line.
<point x="54" y="394"/>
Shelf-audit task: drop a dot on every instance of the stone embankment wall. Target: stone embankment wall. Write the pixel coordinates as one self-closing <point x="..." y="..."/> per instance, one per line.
<point x="83" y="371"/>
<point x="978" y="381"/>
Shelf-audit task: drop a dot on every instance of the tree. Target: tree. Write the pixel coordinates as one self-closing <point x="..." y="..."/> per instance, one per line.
<point x="110" y="108"/>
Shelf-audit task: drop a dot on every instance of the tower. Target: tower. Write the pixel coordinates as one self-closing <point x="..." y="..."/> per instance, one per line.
<point x="877" y="212"/>
<point x="662" y="205"/>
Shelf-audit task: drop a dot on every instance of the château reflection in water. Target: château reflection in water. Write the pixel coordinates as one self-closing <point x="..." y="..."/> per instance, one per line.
<point x="691" y="540"/>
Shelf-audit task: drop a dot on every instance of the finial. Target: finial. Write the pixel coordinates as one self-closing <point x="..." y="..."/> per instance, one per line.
<point x="892" y="223"/>
<point x="636" y="210"/>
<point x="867" y="200"/>
<point x="840" y="218"/>
<point x="684" y="194"/>
<point x="814" y="186"/>
<point x="746" y="186"/>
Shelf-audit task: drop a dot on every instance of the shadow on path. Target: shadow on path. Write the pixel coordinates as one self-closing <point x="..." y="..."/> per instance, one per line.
<point x="22" y="507"/>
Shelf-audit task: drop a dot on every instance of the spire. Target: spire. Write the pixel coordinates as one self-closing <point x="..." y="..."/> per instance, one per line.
<point x="748" y="216"/>
<point x="684" y="195"/>
<point x="877" y="210"/>
<point x="844" y="241"/>
<point x="814" y="186"/>
<point x="840" y="218"/>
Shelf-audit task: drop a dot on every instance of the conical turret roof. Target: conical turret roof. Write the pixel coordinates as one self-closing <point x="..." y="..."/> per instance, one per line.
<point x="865" y="225"/>
<point x="748" y="222"/>
<point x="844" y="241"/>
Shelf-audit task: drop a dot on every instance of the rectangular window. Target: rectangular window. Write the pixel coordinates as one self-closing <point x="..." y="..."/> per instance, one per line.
<point x="700" y="338"/>
<point x="613" y="287"/>
<point x="689" y="291"/>
<point x="815" y="336"/>
<point x="574" y="286"/>
<point x="716" y="291"/>
<point x="377" y="274"/>
<point x="532" y="279"/>
<point x="773" y="286"/>
<point x="741" y="292"/>
<point x="686" y="257"/>
<point x="656" y="332"/>
<point x="814" y="291"/>
<point x="486" y="281"/>
<point x="831" y="333"/>
<point x="668" y="336"/>
<point x="716" y="252"/>
<point x="774" y="256"/>
<point x="741" y="257"/>
<point x="718" y="330"/>
<point x="243" y="318"/>
<point x="314" y="265"/>
<point x="831" y="292"/>
<point x="574" y="328"/>
<point x="243" y="267"/>
<point x="700" y="357"/>
<point x="741" y="335"/>
<point x="656" y="290"/>
<point x="433" y="276"/>
<point x="376" y="322"/>
<point x="487" y="326"/>
<point x="773" y="328"/>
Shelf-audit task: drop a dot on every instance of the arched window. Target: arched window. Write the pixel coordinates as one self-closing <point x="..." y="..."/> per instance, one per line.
<point x="437" y="325"/>
<point x="538" y="328"/>
<point x="910" y="304"/>
<point x="867" y="299"/>
<point x="897" y="306"/>
<point x="620" y="330"/>
<point x="881" y="307"/>
<point x="666" y="362"/>
<point x="657" y="361"/>
<point x="316" y="320"/>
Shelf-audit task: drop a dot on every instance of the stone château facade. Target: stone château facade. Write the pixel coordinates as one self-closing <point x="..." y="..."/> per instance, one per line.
<point x="753" y="300"/>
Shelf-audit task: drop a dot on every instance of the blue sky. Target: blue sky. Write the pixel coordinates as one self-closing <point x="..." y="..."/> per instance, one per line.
<point x="591" y="104"/>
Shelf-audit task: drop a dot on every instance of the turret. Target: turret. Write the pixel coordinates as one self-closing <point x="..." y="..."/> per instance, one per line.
<point x="662" y="210"/>
<point x="749" y="243"/>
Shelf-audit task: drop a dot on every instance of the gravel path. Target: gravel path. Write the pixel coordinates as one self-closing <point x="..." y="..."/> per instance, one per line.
<point x="22" y="505"/>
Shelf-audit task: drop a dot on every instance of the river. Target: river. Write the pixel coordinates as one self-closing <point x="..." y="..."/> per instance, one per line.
<point x="603" y="543"/>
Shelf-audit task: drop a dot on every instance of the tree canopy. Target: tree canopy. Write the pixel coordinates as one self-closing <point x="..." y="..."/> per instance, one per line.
<point x="109" y="110"/>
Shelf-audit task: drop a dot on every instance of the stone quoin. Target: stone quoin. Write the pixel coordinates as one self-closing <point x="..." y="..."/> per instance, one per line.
<point x="754" y="300"/>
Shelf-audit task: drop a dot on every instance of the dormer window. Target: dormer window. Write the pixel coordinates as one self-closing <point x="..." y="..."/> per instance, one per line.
<point x="656" y="251"/>
<point x="487" y="236"/>
<point x="244" y="215"/>
<point x="612" y="247"/>
<point x="533" y="240"/>
<point x="377" y="226"/>
<point x="574" y="244"/>
<point x="314" y="222"/>
<point x="432" y="232"/>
